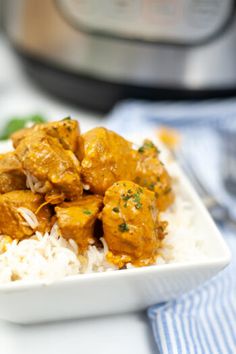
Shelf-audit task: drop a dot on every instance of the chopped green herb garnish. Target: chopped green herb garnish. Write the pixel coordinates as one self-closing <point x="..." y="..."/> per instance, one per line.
<point x="138" y="205"/>
<point x="17" y="123"/>
<point x="149" y="144"/>
<point x="135" y="197"/>
<point x="116" y="210"/>
<point x="66" y="118"/>
<point x="123" y="227"/>
<point x="137" y="200"/>
<point x="151" y="186"/>
<point x="141" y="150"/>
<point x="126" y="197"/>
<point x="87" y="212"/>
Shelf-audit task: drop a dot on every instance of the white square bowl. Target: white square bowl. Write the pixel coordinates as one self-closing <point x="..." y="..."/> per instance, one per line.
<point x="116" y="291"/>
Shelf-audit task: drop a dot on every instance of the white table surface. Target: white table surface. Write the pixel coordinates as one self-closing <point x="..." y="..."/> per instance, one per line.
<point x="126" y="334"/>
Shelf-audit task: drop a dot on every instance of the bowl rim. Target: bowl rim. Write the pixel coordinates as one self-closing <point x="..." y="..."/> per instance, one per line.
<point x="214" y="263"/>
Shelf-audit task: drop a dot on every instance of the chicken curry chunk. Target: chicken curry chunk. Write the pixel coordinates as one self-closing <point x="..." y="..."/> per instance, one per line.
<point x="151" y="173"/>
<point x="12" y="176"/>
<point x="50" y="169"/>
<point x="16" y="209"/>
<point x="130" y="222"/>
<point x="42" y="183"/>
<point x="76" y="219"/>
<point x="105" y="158"/>
<point x="66" y="131"/>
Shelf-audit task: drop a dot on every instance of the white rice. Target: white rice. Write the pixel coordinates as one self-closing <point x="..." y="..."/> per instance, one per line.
<point x="50" y="257"/>
<point x="34" y="184"/>
<point x="29" y="216"/>
<point x="86" y="187"/>
<point x="39" y="257"/>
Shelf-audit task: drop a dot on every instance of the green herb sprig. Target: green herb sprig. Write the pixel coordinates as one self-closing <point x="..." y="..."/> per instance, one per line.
<point x="16" y="123"/>
<point x="123" y="227"/>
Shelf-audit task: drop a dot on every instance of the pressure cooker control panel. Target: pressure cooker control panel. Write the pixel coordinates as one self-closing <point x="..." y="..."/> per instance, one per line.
<point x="172" y="21"/>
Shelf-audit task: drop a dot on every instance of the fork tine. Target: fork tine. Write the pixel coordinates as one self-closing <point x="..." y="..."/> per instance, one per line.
<point x="219" y="212"/>
<point x="187" y="167"/>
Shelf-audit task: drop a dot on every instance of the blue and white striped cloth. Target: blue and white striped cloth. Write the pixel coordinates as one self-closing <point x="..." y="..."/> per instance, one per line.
<point x="203" y="321"/>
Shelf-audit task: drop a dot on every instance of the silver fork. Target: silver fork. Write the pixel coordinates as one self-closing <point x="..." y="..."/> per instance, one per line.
<point x="219" y="211"/>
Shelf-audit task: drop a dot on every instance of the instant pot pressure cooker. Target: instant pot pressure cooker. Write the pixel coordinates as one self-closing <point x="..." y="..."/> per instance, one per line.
<point x="96" y="52"/>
